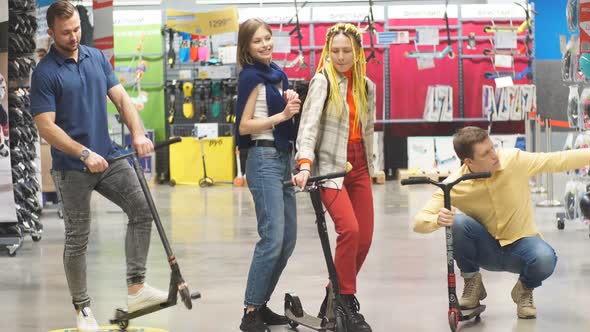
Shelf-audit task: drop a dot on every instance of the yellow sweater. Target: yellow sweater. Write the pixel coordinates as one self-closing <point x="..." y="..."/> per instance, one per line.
<point x="501" y="203"/>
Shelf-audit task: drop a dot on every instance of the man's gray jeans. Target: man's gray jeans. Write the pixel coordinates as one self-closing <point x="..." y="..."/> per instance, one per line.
<point x="120" y="185"/>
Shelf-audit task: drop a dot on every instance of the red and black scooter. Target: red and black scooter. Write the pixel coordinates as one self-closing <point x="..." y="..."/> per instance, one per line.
<point x="455" y="315"/>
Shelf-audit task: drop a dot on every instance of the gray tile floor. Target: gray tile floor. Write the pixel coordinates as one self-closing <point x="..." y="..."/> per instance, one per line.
<point x="213" y="231"/>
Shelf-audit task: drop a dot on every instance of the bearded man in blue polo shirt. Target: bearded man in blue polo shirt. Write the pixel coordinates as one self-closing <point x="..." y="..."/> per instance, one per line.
<point x="68" y="100"/>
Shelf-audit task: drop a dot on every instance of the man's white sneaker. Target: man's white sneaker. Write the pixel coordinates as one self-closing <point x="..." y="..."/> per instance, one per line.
<point x="147" y="296"/>
<point x="85" y="321"/>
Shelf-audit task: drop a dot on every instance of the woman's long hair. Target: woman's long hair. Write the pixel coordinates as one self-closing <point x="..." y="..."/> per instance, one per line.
<point x="359" y="70"/>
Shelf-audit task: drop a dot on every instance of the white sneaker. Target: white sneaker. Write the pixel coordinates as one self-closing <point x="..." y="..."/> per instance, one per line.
<point x="85" y="321"/>
<point x="146" y="297"/>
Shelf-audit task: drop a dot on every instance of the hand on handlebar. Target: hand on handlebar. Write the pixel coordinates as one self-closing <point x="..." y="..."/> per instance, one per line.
<point x="446" y="217"/>
<point x="300" y="179"/>
<point x="95" y="163"/>
<point x="142" y="145"/>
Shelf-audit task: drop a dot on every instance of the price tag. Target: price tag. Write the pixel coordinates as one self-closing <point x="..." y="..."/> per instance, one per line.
<point x="427" y="36"/>
<point x="185" y="74"/>
<point x="503" y="60"/>
<point x="204" y="23"/>
<point x="505" y="81"/>
<point x="425" y="63"/>
<point x="281" y="42"/>
<point x="505" y="39"/>
<point x="206" y="130"/>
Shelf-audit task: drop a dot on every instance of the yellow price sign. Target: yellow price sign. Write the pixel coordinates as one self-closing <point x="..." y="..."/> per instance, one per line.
<point x="204" y="23"/>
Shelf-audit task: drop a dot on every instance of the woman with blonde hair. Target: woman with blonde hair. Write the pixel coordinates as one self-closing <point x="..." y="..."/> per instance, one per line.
<point x="337" y="126"/>
<point x="265" y="128"/>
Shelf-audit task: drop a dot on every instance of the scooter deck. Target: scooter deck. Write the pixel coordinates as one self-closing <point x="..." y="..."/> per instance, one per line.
<point x="309" y="321"/>
<point x="468" y="314"/>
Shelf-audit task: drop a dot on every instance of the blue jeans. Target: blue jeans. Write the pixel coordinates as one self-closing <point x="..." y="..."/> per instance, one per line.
<point x="531" y="257"/>
<point x="276" y="213"/>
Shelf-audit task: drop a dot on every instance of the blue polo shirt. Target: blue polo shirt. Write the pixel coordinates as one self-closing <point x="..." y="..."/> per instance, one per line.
<point x="77" y="93"/>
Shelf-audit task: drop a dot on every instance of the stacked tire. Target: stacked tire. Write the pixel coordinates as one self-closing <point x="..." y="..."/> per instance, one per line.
<point x="23" y="134"/>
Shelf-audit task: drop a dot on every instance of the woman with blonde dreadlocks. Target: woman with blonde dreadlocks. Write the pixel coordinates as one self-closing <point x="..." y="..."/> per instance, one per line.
<point x="337" y="126"/>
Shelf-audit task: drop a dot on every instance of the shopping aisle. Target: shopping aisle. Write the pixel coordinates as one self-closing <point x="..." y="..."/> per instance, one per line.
<point x="402" y="286"/>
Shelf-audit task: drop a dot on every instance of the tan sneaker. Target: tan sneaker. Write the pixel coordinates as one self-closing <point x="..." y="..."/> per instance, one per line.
<point x="473" y="292"/>
<point x="523" y="297"/>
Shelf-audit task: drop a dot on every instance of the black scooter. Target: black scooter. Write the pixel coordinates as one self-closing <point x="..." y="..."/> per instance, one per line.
<point x="455" y="314"/>
<point x="336" y="310"/>
<point x="177" y="283"/>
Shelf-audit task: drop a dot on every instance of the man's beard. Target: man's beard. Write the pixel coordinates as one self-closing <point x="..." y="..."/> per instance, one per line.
<point x="66" y="47"/>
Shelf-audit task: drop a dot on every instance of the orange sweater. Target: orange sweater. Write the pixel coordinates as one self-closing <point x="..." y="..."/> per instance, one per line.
<point x="354" y="129"/>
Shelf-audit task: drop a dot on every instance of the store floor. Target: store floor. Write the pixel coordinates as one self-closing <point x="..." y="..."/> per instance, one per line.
<point x="213" y="231"/>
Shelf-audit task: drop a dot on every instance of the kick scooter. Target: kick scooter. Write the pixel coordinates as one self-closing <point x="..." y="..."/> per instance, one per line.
<point x="336" y="309"/>
<point x="455" y="314"/>
<point x="177" y="283"/>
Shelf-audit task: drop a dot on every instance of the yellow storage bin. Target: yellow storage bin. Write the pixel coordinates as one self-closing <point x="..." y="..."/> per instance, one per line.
<point x="186" y="165"/>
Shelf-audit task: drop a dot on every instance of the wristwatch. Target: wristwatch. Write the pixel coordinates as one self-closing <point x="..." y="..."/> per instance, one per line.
<point x="84" y="155"/>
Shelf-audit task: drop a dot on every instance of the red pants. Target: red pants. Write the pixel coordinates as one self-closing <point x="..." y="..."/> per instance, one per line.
<point x="351" y="209"/>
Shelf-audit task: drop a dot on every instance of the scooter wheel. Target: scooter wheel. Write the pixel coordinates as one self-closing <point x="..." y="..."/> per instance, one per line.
<point x="293" y="324"/>
<point x="185" y="295"/>
<point x="36" y="238"/>
<point x="560" y="224"/>
<point x="453" y="321"/>
<point x="293" y="303"/>
<point x="123" y="324"/>
<point x="119" y="318"/>
<point x="172" y="182"/>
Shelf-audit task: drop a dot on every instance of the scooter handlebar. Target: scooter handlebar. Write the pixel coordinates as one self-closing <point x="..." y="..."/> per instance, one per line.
<point x="156" y="147"/>
<point x="416" y="180"/>
<point x="426" y="180"/>
<point x="472" y="176"/>
<point x="319" y="178"/>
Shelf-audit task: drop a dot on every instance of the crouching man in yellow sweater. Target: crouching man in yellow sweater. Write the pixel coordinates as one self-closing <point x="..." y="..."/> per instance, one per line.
<point x="492" y="219"/>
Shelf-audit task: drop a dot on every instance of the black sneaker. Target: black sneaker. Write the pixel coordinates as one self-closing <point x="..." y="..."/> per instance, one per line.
<point x="252" y="322"/>
<point x="271" y="318"/>
<point x="356" y="322"/>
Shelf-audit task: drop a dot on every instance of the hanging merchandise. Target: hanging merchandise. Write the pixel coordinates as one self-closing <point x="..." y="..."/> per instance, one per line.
<point x="489" y="103"/>
<point x="188" y="109"/>
<point x="516" y="104"/>
<point x="372" y="33"/>
<point x="585" y="65"/>
<point x="184" y="52"/>
<point x="299" y="36"/>
<point x="194" y="48"/>
<point x="171" y="89"/>
<point x="204" y="51"/>
<point x="571" y="14"/>
<point x="584" y="109"/>
<point x="230" y="100"/>
<point x="582" y="142"/>
<point x="573" y="107"/>
<point x="444" y="98"/>
<point x="439" y="103"/>
<point x="429" y="114"/>
<point x="171" y="52"/>
<point x="216" y="99"/>
<point x="447" y="51"/>
<point x="503" y="102"/>
<point x="86" y="27"/>
<point x="569" y="59"/>
<point x="527" y="97"/>
<point x="204" y="99"/>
